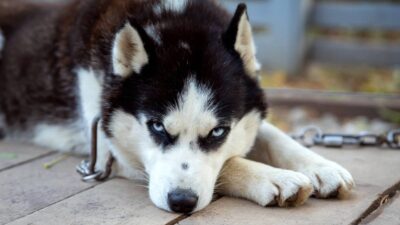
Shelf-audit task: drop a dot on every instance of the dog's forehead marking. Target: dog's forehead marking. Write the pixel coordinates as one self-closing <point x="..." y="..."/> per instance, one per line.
<point x="194" y="113"/>
<point x="177" y="6"/>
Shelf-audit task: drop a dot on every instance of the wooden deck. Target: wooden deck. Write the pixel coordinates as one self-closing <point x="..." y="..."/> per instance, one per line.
<point x="31" y="194"/>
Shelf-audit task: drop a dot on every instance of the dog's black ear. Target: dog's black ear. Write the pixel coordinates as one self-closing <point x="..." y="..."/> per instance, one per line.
<point x="128" y="52"/>
<point x="239" y="37"/>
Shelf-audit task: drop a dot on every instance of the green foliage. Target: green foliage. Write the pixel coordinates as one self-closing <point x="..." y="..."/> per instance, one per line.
<point x="390" y="115"/>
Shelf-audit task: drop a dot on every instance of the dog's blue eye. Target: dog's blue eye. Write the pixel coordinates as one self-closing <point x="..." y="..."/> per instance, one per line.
<point x="159" y="133"/>
<point x="157" y="126"/>
<point x="218" y="132"/>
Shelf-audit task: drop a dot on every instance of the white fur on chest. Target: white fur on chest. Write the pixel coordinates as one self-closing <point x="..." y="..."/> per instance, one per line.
<point x="90" y="88"/>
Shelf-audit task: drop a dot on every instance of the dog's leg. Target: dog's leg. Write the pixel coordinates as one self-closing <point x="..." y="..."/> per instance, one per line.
<point x="263" y="184"/>
<point x="278" y="149"/>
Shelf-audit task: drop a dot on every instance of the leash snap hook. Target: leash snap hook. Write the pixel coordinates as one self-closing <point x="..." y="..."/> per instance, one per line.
<point x="87" y="168"/>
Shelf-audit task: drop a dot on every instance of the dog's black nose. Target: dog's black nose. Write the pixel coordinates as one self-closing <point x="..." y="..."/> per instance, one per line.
<point x="182" y="200"/>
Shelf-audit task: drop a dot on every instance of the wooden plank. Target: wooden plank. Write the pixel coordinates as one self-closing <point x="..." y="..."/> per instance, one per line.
<point x="114" y="202"/>
<point x="358" y="15"/>
<point x="350" y="53"/>
<point x="390" y="214"/>
<point x="29" y="187"/>
<point x="371" y="168"/>
<point x="13" y="154"/>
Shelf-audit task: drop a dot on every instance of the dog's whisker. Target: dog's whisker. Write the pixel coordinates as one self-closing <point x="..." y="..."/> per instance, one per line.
<point x="219" y="185"/>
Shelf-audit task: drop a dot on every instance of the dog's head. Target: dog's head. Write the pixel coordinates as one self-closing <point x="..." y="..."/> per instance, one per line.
<point x="182" y="100"/>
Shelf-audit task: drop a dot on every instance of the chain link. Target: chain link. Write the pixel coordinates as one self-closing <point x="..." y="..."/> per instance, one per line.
<point x="313" y="136"/>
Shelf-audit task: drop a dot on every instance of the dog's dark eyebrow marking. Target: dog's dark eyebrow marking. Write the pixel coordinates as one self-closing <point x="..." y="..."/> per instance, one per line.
<point x="209" y="143"/>
<point x="185" y="166"/>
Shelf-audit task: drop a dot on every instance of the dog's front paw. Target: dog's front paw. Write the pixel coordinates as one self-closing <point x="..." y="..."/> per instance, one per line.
<point x="329" y="179"/>
<point x="283" y="188"/>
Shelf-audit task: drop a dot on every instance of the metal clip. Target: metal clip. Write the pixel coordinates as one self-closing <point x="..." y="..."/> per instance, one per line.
<point x="84" y="170"/>
<point x="87" y="167"/>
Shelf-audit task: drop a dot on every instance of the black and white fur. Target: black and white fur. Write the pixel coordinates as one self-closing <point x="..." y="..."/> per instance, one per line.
<point x="174" y="82"/>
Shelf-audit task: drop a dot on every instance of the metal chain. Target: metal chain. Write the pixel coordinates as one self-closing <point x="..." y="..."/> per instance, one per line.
<point x="87" y="168"/>
<point x="313" y="136"/>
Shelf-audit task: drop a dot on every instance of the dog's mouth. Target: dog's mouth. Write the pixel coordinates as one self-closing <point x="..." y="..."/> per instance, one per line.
<point x="181" y="200"/>
<point x="180" y="193"/>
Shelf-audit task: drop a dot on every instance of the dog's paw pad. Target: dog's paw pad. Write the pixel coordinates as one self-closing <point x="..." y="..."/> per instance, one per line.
<point x="330" y="180"/>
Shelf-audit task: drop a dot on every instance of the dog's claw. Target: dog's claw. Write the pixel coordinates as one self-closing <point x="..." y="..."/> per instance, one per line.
<point x="290" y="189"/>
<point x="330" y="180"/>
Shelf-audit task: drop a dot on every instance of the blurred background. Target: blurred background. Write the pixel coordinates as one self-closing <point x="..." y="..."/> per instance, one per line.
<point x="330" y="63"/>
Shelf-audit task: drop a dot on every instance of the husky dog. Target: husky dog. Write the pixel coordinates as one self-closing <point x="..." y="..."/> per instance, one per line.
<point x="174" y="83"/>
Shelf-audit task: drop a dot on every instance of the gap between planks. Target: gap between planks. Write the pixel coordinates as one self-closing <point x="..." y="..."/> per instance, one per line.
<point x="28" y="161"/>
<point x="183" y="216"/>
<point x="378" y="203"/>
